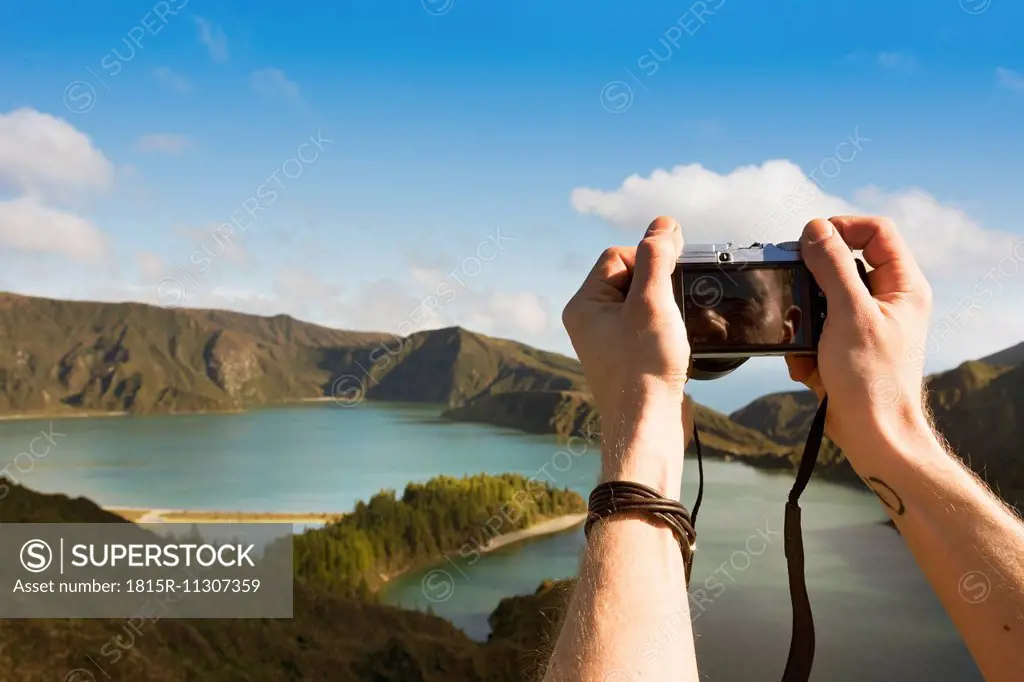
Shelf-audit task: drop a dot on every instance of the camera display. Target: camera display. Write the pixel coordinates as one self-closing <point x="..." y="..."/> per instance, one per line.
<point x="747" y="309"/>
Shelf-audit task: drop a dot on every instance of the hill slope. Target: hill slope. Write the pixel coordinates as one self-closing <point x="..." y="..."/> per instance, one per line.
<point x="132" y="357"/>
<point x="1008" y="357"/>
<point x="977" y="407"/>
<point x="329" y="638"/>
<point x="137" y="358"/>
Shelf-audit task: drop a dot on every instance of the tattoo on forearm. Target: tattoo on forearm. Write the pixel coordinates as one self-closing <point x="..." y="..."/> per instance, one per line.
<point x="886" y="494"/>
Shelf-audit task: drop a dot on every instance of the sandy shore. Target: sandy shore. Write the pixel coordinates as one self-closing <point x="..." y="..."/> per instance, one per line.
<point x="143" y="515"/>
<point x="556" y="525"/>
<point x="150" y="515"/>
<point x="17" y="416"/>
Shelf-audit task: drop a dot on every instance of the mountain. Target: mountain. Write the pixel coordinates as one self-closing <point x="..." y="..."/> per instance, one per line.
<point x="1008" y="357"/>
<point x="64" y="356"/>
<point x="137" y="358"/>
<point x="783" y="417"/>
<point x="978" y="408"/>
<point x="329" y="637"/>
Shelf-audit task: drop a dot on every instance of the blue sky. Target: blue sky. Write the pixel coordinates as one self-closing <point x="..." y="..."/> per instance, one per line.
<point x="134" y="130"/>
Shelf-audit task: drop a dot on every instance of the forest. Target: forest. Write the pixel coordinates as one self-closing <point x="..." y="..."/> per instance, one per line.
<point x="389" y="535"/>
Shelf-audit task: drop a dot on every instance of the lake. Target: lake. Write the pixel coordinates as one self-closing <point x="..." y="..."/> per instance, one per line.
<point x="875" y="616"/>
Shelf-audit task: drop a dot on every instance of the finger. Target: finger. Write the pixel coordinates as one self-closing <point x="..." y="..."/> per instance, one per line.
<point x="609" y="279"/>
<point x="801" y="366"/>
<point x="832" y="263"/>
<point x="656" y="258"/>
<point x="804" y="369"/>
<point x="895" y="269"/>
<point x="687" y="421"/>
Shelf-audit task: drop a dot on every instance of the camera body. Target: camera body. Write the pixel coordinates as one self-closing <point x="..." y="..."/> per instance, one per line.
<point x="741" y="302"/>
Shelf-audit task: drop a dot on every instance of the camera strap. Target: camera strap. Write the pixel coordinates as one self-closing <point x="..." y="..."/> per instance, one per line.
<point x="801" y="643"/>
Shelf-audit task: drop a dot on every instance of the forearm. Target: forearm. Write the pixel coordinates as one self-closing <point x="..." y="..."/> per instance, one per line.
<point x="968" y="544"/>
<point x="629" y="619"/>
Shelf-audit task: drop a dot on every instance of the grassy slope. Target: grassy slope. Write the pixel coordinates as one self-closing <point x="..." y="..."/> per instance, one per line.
<point x="977" y="407"/>
<point x="139" y="358"/>
<point x="329" y="638"/>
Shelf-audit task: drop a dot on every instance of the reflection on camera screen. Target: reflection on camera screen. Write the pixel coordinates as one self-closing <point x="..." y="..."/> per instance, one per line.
<point x="732" y="308"/>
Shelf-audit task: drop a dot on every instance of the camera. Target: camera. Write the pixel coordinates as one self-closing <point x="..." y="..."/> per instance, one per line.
<point x="742" y="302"/>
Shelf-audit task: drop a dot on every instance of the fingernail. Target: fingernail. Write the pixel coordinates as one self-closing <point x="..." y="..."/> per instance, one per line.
<point x="818" y="231"/>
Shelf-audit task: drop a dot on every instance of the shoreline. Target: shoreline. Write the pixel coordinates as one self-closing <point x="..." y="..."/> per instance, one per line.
<point x="548" y="527"/>
<point x="143" y="515"/>
<point x="23" y="416"/>
<point x="552" y="526"/>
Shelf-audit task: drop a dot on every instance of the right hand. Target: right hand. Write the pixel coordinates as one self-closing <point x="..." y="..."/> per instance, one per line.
<point x="870" y="358"/>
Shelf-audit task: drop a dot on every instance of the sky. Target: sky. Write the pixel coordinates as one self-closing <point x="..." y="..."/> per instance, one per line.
<point x="346" y="162"/>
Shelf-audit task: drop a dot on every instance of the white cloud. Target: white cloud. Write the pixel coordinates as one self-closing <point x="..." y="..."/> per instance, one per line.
<point x="521" y="312"/>
<point x="300" y="283"/>
<point x="897" y="60"/>
<point x="27" y="224"/>
<point x="167" y="143"/>
<point x="172" y="79"/>
<point x="45" y="155"/>
<point x="1010" y="79"/>
<point x="212" y="36"/>
<point x="210" y="242"/>
<point x="772" y="202"/>
<point x="944" y="238"/>
<point x="151" y="266"/>
<point x="977" y="274"/>
<point x="274" y="83"/>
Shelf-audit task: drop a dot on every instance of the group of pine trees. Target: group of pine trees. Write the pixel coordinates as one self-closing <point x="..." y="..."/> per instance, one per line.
<point x="388" y="535"/>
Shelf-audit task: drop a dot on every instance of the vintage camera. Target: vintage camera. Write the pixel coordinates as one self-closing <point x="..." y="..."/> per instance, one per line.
<point x="741" y="302"/>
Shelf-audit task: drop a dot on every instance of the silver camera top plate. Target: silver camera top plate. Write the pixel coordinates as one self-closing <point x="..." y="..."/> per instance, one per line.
<point x="728" y="252"/>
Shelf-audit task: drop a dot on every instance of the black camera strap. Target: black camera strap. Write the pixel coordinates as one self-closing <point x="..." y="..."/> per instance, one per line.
<point x="801" y="644"/>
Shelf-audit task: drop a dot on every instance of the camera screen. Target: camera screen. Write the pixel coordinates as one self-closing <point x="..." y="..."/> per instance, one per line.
<point x="746" y="308"/>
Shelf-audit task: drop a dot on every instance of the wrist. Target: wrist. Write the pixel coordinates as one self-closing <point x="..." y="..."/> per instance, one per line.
<point x="902" y="431"/>
<point x="645" y="446"/>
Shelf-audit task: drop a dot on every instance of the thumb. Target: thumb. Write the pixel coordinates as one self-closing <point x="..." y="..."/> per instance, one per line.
<point x="831" y="262"/>
<point x="656" y="258"/>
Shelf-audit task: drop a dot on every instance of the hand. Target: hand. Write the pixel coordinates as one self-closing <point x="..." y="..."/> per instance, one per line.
<point x="870" y="358"/>
<point x="629" y="335"/>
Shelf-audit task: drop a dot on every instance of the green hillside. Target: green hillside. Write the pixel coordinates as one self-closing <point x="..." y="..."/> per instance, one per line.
<point x="977" y="407"/>
<point x="331" y="637"/>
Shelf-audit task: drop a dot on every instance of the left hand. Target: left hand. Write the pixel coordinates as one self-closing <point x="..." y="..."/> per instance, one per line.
<point x="629" y="335"/>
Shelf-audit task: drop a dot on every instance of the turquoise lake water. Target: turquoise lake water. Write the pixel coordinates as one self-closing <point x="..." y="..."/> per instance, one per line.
<point x="875" y="617"/>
